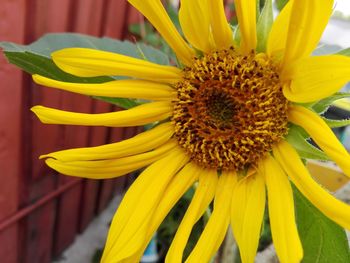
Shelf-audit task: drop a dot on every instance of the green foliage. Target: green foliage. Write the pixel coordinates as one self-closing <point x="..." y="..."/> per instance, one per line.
<point x="325" y="50"/>
<point x="52" y="42"/>
<point x="298" y="138"/>
<point x="148" y="35"/>
<point x="323" y="240"/>
<point x="96" y="258"/>
<point x="36" y="57"/>
<point x="345" y="52"/>
<point x="330" y="49"/>
<point x="264" y="25"/>
<point x="322" y="105"/>
<point x="337" y="123"/>
<point x="265" y="235"/>
<point x="280" y="4"/>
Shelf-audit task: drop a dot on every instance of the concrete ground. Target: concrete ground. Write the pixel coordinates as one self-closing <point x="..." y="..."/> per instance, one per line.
<point x="92" y="239"/>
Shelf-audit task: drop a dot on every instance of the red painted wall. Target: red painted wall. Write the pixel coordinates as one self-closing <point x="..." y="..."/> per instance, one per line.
<point x="49" y="228"/>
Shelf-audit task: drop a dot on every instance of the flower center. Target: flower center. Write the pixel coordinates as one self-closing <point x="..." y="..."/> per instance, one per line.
<point x="230" y="109"/>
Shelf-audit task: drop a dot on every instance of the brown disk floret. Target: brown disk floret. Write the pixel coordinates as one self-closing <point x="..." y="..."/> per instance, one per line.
<point x="230" y="109"/>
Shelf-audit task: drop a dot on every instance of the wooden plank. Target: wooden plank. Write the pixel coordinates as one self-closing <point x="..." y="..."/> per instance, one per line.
<point x="87" y="19"/>
<point x="11" y="97"/>
<point x="115" y="19"/>
<point x="42" y="17"/>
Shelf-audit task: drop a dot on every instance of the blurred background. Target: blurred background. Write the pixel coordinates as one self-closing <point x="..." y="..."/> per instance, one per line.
<point x="42" y="212"/>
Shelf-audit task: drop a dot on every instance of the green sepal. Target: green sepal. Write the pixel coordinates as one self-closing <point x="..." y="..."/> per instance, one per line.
<point x="298" y="137"/>
<point x="344" y="52"/>
<point x="280" y="4"/>
<point x="330" y="49"/>
<point x="45" y="45"/>
<point x="323" y="240"/>
<point x="36" y="58"/>
<point x="337" y="123"/>
<point x="325" y="49"/>
<point x="121" y="102"/>
<point x="264" y="25"/>
<point x="322" y="105"/>
<point x="236" y="34"/>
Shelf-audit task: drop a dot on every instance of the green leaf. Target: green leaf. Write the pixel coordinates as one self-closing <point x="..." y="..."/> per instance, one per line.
<point x="323" y="240"/>
<point x="36" y="64"/>
<point x="121" y="102"/>
<point x="174" y="16"/>
<point x="326" y="50"/>
<point x="35" y="58"/>
<point x="52" y="42"/>
<point x="345" y="52"/>
<point x="322" y="105"/>
<point x="298" y="138"/>
<point x="264" y="25"/>
<point x="280" y="4"/>
<point x="337" y="123"/>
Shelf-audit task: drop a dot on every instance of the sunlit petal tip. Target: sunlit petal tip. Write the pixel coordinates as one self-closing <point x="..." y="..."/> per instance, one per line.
<point x="44" y="156"/>
<point x="37" y="110"/>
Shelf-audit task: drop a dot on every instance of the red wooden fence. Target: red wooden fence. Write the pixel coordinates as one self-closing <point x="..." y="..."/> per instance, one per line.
<point x="42" y="211"/>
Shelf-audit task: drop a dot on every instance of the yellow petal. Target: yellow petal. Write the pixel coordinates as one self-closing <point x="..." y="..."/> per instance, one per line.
<point x="315" y="78"/>
<point x="202" y="198"/>
<point x="246" y="15"/>
<point x="85" y="62"/>
<point x="195" y="23"/>
<point x="137" y="116"/>
<point x="281" y="212"/>
<point x="325" y="202"/>
<point x="307" y="22"/>
<point x="322" y="135"/>
<point x="110" y="168"/>
<point x="247" y="211"/>
<point x="129" y="227"/>
<point x="140" y="143"/>
<point x="137" y="89"/>
<point x="216" y="228"/>
<point x="221" y="30"/>
<point x="156" y="14"/>
<point x="177" y="187"/>
<point x="276" y="42"/>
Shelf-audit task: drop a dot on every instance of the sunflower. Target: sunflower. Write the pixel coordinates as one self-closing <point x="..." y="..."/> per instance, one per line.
<point x="222" y="119"/>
